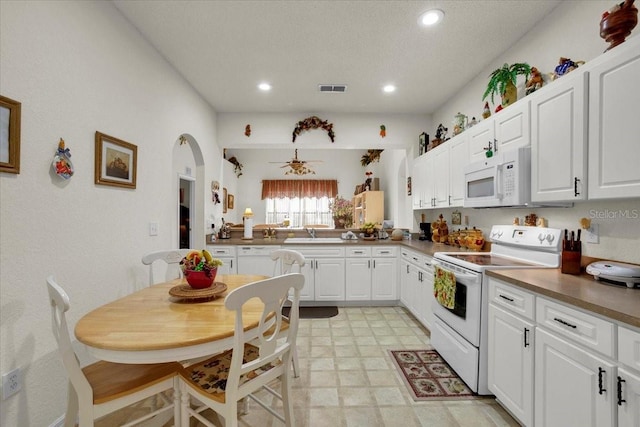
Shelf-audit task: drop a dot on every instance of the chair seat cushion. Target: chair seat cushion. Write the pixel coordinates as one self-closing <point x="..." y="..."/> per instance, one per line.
<point x="210" y="376"/>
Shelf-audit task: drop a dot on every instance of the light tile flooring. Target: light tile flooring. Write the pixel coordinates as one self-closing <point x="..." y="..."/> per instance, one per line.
<point x="348" y="379"/>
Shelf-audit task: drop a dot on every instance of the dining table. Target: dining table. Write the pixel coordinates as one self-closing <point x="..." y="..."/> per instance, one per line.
<point x="154" y="326"/>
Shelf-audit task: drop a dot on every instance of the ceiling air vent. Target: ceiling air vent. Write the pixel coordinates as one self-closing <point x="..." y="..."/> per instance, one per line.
<point x="332" y="88"/>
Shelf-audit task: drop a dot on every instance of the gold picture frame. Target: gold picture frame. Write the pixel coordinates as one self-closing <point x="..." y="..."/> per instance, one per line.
<point x="224" y="200"/>
<point x="10" y="111"/>
<point x="230" y="201"/>
<point x="116" y="162"/>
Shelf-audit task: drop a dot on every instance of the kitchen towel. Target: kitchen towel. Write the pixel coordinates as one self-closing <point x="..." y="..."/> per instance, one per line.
<point x="444" y="287"/>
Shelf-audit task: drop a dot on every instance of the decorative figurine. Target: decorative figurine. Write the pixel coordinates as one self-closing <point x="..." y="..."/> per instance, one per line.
<point x="383" y="131"/>
<point x="472" y="123"/>
<point x="247" y="131"/>
<point x="62" y="161"/>
<point x="486" y="111"/>
<point x="535" y="82"/>
<point x="565" y="65"/>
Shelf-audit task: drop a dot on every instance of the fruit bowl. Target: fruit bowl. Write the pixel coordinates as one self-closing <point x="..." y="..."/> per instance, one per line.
<point x="200" y="279"/>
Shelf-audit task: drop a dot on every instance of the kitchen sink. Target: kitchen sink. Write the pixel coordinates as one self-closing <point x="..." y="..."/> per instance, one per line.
<point x="313" y="240"/>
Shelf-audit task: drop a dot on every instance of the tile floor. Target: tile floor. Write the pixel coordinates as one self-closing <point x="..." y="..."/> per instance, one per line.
<point x="348" y="379"/>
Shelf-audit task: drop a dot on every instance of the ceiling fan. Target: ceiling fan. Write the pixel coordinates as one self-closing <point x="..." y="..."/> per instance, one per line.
<point x="298" y="167"/>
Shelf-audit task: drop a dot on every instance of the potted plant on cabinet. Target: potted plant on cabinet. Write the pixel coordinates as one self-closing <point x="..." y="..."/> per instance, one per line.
<point x="503" y="82"/>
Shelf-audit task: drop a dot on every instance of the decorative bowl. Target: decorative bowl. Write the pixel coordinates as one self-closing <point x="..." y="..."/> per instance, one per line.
<point x="617" y="25"/>
<point x="200" y="279"/>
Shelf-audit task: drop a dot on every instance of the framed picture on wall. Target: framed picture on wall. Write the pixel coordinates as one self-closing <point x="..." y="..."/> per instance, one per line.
<point x="116" y="162"/>
<point x="224" y="200"/>
<point x="408" y="186"/>
<point x="230" y="201"/>
<point x="422" y="143"/>
<point x="9" y="135"/>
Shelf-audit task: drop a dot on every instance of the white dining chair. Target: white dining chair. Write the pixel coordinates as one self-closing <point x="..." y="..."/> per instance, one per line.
<point x="285" y="260"/>
<point x="104" y="387"/>
<point x="220" y="382"/>
<point x="168" y="260"/>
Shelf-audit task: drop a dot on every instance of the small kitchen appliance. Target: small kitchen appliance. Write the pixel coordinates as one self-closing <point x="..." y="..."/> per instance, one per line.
<point x="425" y="231"/>
<point x="460" y="333"/>
<point x="625" y="274"/>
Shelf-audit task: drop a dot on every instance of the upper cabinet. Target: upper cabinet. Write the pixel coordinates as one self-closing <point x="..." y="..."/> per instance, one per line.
<point x="614" y="105"/>
<point x="559" y="139"/>
<point x="507" y="130"/>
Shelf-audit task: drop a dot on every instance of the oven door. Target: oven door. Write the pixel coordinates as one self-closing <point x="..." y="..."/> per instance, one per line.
<point x="464" y="317"/>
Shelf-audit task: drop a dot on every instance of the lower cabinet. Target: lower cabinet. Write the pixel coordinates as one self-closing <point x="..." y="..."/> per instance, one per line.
<point x="416" y="285"/>
<point x="628" y="398"/>
<point x="227" y="254"/>
<point x="511" y="362"/>
<point x="371" y="274"/>
<point x="324" y="273"/>
<point x="573" y="387"/>
<point x="256" y="260"/>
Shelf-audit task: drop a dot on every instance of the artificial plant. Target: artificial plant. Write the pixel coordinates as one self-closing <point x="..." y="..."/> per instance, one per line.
<point x="505" y="76"/>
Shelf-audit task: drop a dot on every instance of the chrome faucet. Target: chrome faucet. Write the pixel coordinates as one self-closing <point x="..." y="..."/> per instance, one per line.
<point x="312" y="232"/>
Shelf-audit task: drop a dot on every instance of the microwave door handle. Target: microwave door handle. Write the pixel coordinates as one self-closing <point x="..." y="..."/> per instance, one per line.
<point x="498" y="181"/>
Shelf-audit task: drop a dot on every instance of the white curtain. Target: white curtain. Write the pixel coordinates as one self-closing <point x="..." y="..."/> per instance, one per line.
<point x="300" y="211"/>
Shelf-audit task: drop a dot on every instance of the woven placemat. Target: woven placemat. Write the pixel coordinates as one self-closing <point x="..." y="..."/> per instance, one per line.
<point x="185" y="291"/>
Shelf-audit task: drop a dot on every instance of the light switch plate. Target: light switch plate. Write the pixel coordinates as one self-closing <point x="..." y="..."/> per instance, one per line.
<point x="153" y="228"/>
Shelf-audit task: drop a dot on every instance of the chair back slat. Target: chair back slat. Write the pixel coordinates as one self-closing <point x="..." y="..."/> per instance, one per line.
<point x="286" y="259"/>
<point x="168" y="260"/>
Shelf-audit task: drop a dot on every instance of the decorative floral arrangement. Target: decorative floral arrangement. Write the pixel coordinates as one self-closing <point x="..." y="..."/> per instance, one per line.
<point x="314" y="122"/>
<point x="371" y="157"/>
<point x="200" y="261"/>
<point x="343" y="209"/>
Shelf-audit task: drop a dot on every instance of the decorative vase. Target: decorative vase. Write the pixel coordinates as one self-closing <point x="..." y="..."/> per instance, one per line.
<point x="510" y="94"/>
<point x="200" y="279"/>
<point x="339" y="222"/>
<point x="617" y="25"/>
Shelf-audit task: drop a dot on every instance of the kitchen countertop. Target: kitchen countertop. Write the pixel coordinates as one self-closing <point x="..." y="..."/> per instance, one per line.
<point x="616" y="302"/>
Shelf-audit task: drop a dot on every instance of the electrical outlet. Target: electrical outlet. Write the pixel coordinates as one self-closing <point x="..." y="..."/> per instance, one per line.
<point x="590" y="235"/>
<point x="153" y="228"/>
<point x="11" y="383"/>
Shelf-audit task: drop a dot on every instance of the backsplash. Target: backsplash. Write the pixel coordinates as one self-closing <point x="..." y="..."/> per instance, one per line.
<point x="618" y="222"/>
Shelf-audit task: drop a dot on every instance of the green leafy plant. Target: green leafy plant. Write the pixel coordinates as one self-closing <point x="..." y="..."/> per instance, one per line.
<point x="500" y="78"/>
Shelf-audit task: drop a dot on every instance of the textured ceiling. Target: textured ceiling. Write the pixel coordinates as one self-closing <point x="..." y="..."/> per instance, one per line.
<point x="225" y="48"/>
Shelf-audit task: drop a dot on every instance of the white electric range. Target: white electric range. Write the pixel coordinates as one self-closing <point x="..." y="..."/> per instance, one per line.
<point x="460" y="334"/>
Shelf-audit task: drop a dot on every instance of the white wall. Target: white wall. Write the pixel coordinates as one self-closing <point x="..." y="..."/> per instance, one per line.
<point x="79" y="67"/>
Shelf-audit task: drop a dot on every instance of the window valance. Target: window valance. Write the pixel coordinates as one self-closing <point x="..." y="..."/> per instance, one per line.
<point x="279" y="188"/>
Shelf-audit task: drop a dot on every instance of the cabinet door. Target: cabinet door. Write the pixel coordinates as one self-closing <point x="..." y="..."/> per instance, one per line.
<point x="479" y="137"/>
<point x="358" y="279"/>
<point x="418" y="182"/>
<point x="412" y="290"/>
<point x="558" y="146"/>
<point x="308" y="291"/>
<point x="384" y="277"/>
<point x="228" y="266"/>
<point x="629" y="410"/>
<point x="574" y="387"/>
<point x="441" y="176"/>
<point x="512" y="127"/>
<point x="405" y="276"/>
<point x="329" y="279"/>
<point x="458" y="159"/>
<point x="614" y="102"/>
<point x="511" y="362"/>
<point x="425" y="297"/>
<point x="258" y="264"/>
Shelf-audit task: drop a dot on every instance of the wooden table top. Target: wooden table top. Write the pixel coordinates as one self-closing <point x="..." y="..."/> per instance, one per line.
<point x="151" y="326"/>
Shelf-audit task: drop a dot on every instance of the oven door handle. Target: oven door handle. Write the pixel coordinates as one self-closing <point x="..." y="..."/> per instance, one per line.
<point x="459" y="275"/>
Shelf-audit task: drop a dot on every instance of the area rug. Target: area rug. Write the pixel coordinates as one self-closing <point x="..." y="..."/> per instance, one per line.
<point x="323" y="312"/>
<point x="428" y="376"/>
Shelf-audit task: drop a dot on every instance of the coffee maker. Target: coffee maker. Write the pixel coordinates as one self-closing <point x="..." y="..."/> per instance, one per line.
<point x="425" y="231"/>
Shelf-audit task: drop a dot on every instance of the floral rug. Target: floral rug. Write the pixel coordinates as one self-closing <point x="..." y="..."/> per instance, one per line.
<point x="428" y="376"/>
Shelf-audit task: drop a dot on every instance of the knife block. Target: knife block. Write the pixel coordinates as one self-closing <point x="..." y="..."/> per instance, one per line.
<point x="571" y="261"/>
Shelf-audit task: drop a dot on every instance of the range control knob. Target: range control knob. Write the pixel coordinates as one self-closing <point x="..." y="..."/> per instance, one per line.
<point x="550" y="238"/>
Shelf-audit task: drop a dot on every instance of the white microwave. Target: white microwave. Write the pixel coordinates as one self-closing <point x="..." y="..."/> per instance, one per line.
<point x="501" y="180"/>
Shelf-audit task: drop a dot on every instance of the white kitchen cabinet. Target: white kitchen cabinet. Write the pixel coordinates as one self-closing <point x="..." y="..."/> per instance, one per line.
<point x="358" y="274"/>
<point x="559" y="140"/>
<point x="440" y="178"/>
<point x="416" y="281"/>
<point x="458" y="159"/>
<point x="628" y="380"/>
<point x="324" y="272"/>
<point x="628" y="398"/>
<point x="256" y="260"/>
<point x="421" y="183"/>
<point x="506" y="130"/>
<point x="510" y="373"/>
<point x="614" y="103"/>
<point x="574" y="386"/>
<point x="227" y="254"/>
<point x="384" y="273"/>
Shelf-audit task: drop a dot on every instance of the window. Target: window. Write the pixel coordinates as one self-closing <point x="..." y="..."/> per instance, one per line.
<point x="299" y="211"/>
<point x="303" y="202"/>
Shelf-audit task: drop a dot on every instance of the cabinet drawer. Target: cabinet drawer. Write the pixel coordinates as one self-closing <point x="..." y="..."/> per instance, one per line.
<point x="219" y="251"/>
<point x="384" y="252"/>
<point x="629" y="347"/>
<point x="586" y="329"/>
<point x="256" y="250"/>
<point x="359" y="252"/>
<point x="316" y="251"/>
<point x="412" y="257"/>
<point x="514" y="299"/>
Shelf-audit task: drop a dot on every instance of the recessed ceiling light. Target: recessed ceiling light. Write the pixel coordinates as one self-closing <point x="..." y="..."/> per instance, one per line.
<point x="431" y="17"/>
<point x="389" y="88"/>
<point x="264" y="87"/>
